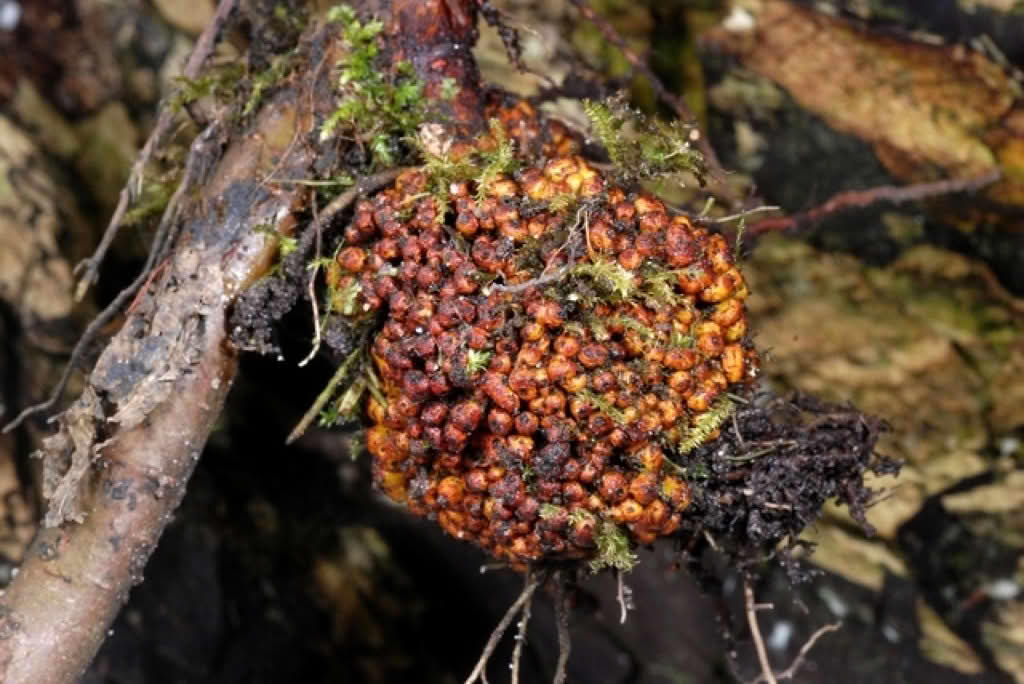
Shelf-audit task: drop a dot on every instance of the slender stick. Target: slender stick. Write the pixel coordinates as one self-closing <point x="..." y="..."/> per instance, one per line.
<point x="531" y="582"/>
<point x="517" y="652"/>
<point x="862" y="198"/>
<point x="798" y="662"/>
<point x="562" y="612"/>
<point x="163" y="241"/>
<point x="89" y="268"/>
<point x="755" y="632"/>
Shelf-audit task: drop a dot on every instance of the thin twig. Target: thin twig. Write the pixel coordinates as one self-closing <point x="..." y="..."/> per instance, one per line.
<point x="677" y="103"/>
<point x="755" y="633"/>
<point x="517" y="652"/>
<point x="862" y="198"/>
<point x="163" y="240"/>
<point x="325" y="395"/>
<point x="531" y="582"/>
<point x="312" y="289"/>
<point x="88" y="269"/>
<point x="364" y="185"/>
<point x="624" y="595"/>
<point x="744" y="214"/>
<point x="562" y="622"/>
<point x="798" y="662"/>
<point x="558" y="273"/>
<point x="736" y="428"/>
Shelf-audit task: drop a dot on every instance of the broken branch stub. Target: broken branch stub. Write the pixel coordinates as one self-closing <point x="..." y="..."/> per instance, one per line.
<point x="437" y="37"/>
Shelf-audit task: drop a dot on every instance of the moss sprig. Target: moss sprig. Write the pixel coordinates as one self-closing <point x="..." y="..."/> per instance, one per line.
<point x="617" y="281"/>
<point x="643" y="148"/>
<point x="476" y="361"/>
<point x="705" y="425"/>
<point x="376" y="108"/>
<point x="499" y="160"/>
<point x="613" y="550"/>
<point x="604" y="406"/>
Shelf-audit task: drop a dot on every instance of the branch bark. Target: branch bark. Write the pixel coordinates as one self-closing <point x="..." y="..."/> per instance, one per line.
<point x="125" y="449"/>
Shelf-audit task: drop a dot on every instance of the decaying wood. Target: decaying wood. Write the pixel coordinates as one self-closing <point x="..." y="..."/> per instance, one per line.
<point x="118" y="466"/>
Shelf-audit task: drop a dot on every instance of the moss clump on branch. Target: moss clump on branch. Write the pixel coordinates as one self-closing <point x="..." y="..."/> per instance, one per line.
<point x="376" y="108"/>
<point x="219" y="82"/>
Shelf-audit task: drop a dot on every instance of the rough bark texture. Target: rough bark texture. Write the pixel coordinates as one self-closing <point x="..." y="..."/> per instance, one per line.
<point x="119" y="464"/>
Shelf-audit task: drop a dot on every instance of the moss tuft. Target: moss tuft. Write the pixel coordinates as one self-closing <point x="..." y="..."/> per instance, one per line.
<point x="705" y="425"/>
<point x="613" y="549"/>
<point x="476" y="361"/>
<point x="610" y="276"/>
<point x="640" y="147"/>
<point x="376" y="108"/>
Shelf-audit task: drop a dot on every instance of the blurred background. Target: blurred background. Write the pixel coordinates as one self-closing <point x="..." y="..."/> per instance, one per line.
<point x="284" y="565"/>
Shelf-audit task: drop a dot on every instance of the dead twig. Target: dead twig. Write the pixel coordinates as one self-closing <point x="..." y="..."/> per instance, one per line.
<point x="363" y="186"/>
<point x="767" y="674"/>
<point x="562" y="610"/>
<point x="798" y="662"/>
<point x="314" y="231"/>
<point x="325" y="395"/>
<point x="624" y="595"/>
<point x="755" y="633"/>
<point x="88" y="269"/>
<point x="862" y="198"/>
<point x="530" y="584"/>
<point x="312" y="288"/>
<point x="163" y="241"/>
<point x="517" y="652"/>
<point x="742" y="214"/>
<point x="558" y="273"/>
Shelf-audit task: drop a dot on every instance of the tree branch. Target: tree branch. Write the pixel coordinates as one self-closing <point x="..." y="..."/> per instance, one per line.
<point x="118" y="466"/>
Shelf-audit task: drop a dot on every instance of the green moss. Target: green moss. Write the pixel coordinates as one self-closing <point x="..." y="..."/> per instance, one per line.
<point x="497" y="161"/>
<point x="549" y="511"/>
<point x="646" y="333"/>
<point x="643" y="148"/>
<point x="346" y="407"/>
<point x="375" y="107"/>
<point x="562" y="203"/>
<point x="705" y="425"/>
<point x="218" y="82"/>
<point x="603" y="406"/>
<point x="610" y="276"/>
<point x="150" y="204"/>
<point x="449" y="88"/>
<point x="476" y="361"/>
<point x="681" y="340"/>
<point x="262" y="82"/>
<point x="613" y="549"/>
<point x="482" y="167"/>
<point x="343" y="299"/>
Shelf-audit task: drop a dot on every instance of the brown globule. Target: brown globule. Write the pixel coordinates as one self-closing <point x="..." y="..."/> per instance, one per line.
<point x="548" y="341"/>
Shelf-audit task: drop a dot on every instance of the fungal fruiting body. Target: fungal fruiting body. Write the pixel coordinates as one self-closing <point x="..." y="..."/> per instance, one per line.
<point x="546" y="357"/>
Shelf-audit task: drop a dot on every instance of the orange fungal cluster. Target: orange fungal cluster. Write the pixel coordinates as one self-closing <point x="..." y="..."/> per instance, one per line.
<point x="546" y="349"/>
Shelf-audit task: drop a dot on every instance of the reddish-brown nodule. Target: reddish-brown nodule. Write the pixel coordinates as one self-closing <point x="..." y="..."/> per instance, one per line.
<point x="582" y="391"/>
